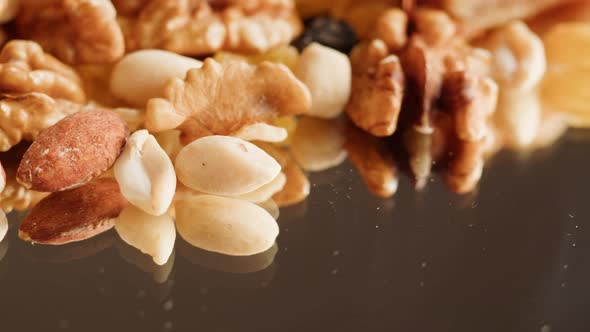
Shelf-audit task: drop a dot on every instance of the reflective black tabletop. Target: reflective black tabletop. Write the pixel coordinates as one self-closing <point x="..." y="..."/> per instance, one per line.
<point x="513" y="256"/>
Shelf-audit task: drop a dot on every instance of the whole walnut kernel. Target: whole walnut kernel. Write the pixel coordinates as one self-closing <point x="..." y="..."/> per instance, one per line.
<point x="76" y="31"/>
<point x="24" y="68"/>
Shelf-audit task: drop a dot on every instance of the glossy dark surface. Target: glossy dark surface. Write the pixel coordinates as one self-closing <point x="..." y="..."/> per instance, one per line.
<point x="513" y="257"/>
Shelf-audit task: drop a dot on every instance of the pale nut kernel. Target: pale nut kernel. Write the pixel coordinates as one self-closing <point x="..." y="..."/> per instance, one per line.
<point x="145" y="174"/>
<point x="2" y="178"/>
<point x="392" y="28"/>
<point x="8" y="9"/>
<point x="519" y="57"/>
<point x="152" y="235"/>
<point x="271" y="207"/>
<point x="327" y="74"/>
<point x="142" y="75"/>
<point x="318" y="144"/>
<point x="224" y="165"/>
<point x="3" y="225"/>
<point x="262" y="132"/>
<point x="518" y="118"/>
<point x="225" y="225"/>
<point x="265" y="192"/>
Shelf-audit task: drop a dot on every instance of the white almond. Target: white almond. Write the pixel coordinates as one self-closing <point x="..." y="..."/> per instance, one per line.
<point x="266" y="192"/>
<point x="318" y="144"/>
<point x="142" y="75"/>
<point x="152" y="235"/>
<point x="3" y="225"/>
<point x="224" y="165"/>
<point x="271" y="207"/>
<point x="262" y="132"/>
<point x="327" y="74"/>
<point x="226" y="225"/>
<point x="145" y="174"/>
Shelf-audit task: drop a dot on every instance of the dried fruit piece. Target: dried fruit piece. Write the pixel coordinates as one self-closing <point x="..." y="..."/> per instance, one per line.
<point x="74" y="151"/>
<point x="318" y="144"/>
<point x="77" y="31"/>
<point x="377" y="88"/>
<point x="329" y="32"/>
<point x="225" y="225"/>
<point x="205" y="103"/>
<point x="145" y="174"/>
<point x="267" y="191"/>
<point x="135" y="80"/>
<point x="327" y="75"/>
<point x="24" y="116"/>
<point x="373" y="161"/>
<point x="519" y="57"/>
<point x="204" y="165"/>
<point x="25" y="68"/>
<point x="152" y="235"/>
<point x="74" y="215"/>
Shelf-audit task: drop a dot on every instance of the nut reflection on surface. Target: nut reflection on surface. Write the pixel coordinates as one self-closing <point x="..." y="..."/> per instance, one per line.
<point x="159" y="273"/>
<point x="373" y="161"/>
<point x="318" y="144"/>
<point x="225" y="225"/>
<point x="68" y="252"/>
<point x="419" y="148"/>
<point x="3" y="225"/>
<point x="465" y="166"/>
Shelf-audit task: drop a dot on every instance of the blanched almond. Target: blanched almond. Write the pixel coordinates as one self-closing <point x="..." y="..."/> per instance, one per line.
<point x="225" y="225"/>
<point x="318" y="144"/>
<point x="265" y="192"/>
<point x="142" y="75"/>
<point x="224" y="165"/>
<point x="152" y="235"/>
<point x="262" y="132"/>
<point x="145" y="174"/>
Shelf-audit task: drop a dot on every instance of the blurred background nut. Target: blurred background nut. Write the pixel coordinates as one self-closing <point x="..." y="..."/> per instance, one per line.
<point x="318" y="144"/>
<point x="285" y="54"/>
<point x="224" y="165"/>
<point x="327" y="74"/>
<point x="145" y="174"/>
<point x="25" y="68"/>
<point x="15" y="196"/>
<point x="142" y="75"/>
<point x="2" y="178"/>
<point x="296" y="188"/>
<point x="267" y="191"/>
<point x="519" y="57"/>
<point x="25" y="116"/>
<point x="152" y="235"/>
<point x="134" y="117"/>
<point x="8" y="9"/>
<point x="225" y="225"/>
<point x="76" y="31"/>
<point x="392" y="28"/>
<point x="3" y="225"/>
<point x="169" y="140"/>
<point x="206" y="103"/>
<point x="518" y="118"/>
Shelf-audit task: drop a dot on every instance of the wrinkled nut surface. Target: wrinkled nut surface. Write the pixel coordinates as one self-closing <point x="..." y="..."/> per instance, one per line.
<point x="76" y="31"/>
<point x="152" y="235"/>
<point x="74" y="215"/>
<point x="226" y="225"/>
<point x="145" y="174"/>
<point x="142" y="75"/>
<point x="373" y="161"/>
<point x="24" y="116"/>
<point x="327" y="74"/>
<point x="201" y="27"/>
<point x="15" y="196"/>
<point x="519" y="57"/>
<point x="378" y="87"/>
<point x="318" y="144"/>
<point x="224" y="165"/>
<point x="206" y="102"/>
<point x="261" y="132"/>
<point x="267" y="191"/>
<point x="24" y="67"/>
<point x="74" y="151"/>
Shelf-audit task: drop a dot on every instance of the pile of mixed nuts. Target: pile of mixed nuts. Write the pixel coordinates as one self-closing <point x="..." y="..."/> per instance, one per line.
<point x="203" y="116"/>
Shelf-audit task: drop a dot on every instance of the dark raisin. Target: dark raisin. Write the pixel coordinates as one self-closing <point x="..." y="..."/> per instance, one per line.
<point x="327" y="31"/>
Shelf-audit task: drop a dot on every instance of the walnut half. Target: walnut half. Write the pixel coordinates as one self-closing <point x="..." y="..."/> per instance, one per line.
<point x="220" y="99"/>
